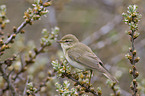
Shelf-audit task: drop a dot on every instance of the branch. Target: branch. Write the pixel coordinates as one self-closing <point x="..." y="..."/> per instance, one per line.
<point x="131" y="18"/>
<point x="114" y="90"/>
<point x="87" y="89"/>
<point x="8" y="80"/>
<point x="30" y="61"/>
<point x="30" y="15"/>
<point x="24" y="92"/>
<point x="23" y="24"/>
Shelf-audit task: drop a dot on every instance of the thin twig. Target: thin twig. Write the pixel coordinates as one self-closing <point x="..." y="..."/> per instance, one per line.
<point x="113" y="89"/>
<point x="23" y="24"/>
<point x="87" y="89"/>
<point x="133" y="63"/>
<point x="24" y="92"/>
<point x="30" y="61"/>
<point x="7" y="79"/>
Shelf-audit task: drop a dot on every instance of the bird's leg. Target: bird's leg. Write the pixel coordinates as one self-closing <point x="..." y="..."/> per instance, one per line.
<point x="90" y="77"/>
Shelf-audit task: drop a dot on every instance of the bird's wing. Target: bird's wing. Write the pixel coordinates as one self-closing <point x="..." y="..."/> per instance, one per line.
<point x="90" y="60"/>
<point x="87" y="58"/>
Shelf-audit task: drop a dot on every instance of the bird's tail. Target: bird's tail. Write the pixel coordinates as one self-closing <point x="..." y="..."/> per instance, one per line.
<point x="109" y="76"/>
<point x="106" y="73"/>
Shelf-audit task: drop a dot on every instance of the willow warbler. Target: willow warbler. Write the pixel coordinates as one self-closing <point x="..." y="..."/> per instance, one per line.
<point x="81" y="56"/>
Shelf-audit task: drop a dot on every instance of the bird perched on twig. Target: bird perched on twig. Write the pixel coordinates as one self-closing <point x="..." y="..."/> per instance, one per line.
<point x="81" y="56"/>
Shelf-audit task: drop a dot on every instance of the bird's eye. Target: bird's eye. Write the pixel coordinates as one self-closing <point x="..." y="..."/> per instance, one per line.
<point x="66" y="41"/>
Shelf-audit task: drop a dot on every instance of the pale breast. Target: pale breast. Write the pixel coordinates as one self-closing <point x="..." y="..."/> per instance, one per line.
<point x="75" y="64"/>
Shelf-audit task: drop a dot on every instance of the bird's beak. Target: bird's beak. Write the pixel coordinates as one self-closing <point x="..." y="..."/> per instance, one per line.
<point x="60" y="41"/>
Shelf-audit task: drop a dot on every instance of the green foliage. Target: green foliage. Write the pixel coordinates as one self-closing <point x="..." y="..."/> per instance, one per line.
<point x="3" y="18"/>
<point x="49" y="38"/>
<point x="61" y="68"/>
<point x="114" y="87"/>
<point x="32" y="14"/>
<point x="131" y="18"/>
<point x="65" y="90"/>
<point x="15" y="70"/>
<point x="30" y="89"/>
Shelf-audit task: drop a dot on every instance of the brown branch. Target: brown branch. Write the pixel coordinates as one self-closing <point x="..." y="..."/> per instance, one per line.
<point x="24" y="92"/>
<point x="4" y="90"/>
<point x="23" y="24"/>
<point x="133" y="66"/>
<point x="28" y="20"/>
<point x="132" y="21"/>
<point x="30" y="61"/>
<point x="87" y="89"/>
<point x="114" y="90"/>
<point x="41" y="85"/>
<point x="52" y="74"/>
<point x="5" y="75"/>
<point x="8" y="80"/>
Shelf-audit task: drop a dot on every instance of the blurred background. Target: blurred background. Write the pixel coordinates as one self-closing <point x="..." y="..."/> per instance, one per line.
<point x="97" y="23"/>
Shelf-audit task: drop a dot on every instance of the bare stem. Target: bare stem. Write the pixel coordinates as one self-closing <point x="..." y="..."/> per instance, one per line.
<point x="30" y="61"/>
<point x="7" y="79"/>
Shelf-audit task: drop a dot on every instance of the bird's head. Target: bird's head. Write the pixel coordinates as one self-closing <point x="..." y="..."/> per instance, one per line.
<point x="68" y="41"/>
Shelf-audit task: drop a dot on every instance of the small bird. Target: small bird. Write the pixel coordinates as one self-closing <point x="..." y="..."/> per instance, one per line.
<point x="81" y="56"/>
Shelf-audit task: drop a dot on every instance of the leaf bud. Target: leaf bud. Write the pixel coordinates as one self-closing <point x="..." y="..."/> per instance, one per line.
<point x="134" y="81"/>
<point x="1" y="53"/>
<point x="27" y="20"/>
<point x="130" y="49"/>
<point x="3" y="26"/>
<point x="134" y="52"/>
<point x="14" y="35"/>
<point x="24" y="69"/>
<point x="128" y="56"/>
<point x="136" y="35"/>
<point x="22" y="31"/>
<point x="30" y="54"/>
<point x="3" y="48"/>
<point x="137" y="59"/>
<point x="1" y="42"/>
<point x="134" y="67"/>
<point x="14" y="29"/>
<point x="130" y="71"/>
<point x="30" y="22"/>
<point x="131" y="86"/>
<point x="40" y="2"/>
<point x="46" y="4"/>
<point x="75" y="84"/>
<point x="136" y="74"/>
<point x="129" y="32"/>
<point x="81" y="76"/>
<point x="81" y="92"/>
<point x="7" y="46"/>
<point x="92" y="89"/>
